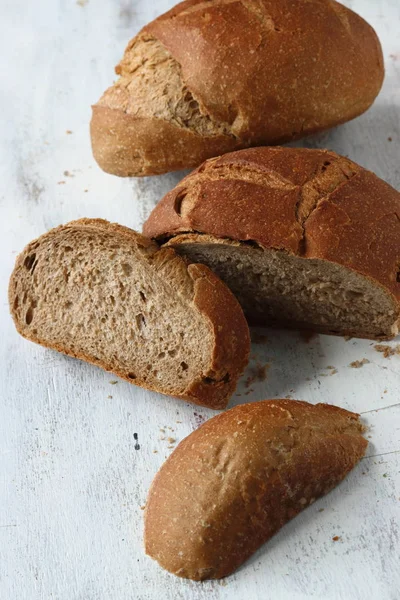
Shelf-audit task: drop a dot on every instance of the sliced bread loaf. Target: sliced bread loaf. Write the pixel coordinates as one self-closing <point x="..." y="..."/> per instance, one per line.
<point x="235" y="481"/>
<point x="106" y="294"/>
<point x="304" y="238"/>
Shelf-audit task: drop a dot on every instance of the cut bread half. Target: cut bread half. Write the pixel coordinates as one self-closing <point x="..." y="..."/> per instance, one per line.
<point x="304" y="238"/>
<point x="105" y="294"/>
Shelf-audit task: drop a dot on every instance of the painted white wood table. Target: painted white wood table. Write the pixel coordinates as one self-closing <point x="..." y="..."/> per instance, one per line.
<point x="78" y="451"/>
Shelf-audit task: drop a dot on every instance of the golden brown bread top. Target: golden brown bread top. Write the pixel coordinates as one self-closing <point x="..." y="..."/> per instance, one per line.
<point x="235" y="481"/>
<point x="312" y="58"/>
<point x="311" y="203"/>
<point x="211" y="76"/>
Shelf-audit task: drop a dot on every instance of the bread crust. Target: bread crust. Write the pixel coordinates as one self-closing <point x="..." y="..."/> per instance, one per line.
<point x="272" y="71"/>
<point x="210" y="296"/>
<point x="234" y="482"/>
<point x="313" y="204"/>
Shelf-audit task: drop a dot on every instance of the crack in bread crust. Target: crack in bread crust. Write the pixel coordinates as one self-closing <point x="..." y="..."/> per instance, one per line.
<point x="151" y="85"/>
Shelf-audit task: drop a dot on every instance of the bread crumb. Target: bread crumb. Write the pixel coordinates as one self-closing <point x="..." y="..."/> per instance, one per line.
<point x="162" y="429"/>
<point x="60" y="182"/>
<point x="143" y="507"/>
<point x="171" y="440"/>
<point x="390" y="139"/>
<point x="82" y="2"/>
<point x="68" y="132"/>
<point x="155" y="451"/>
<point x="178" y="421"/>
<point x="68" y="174"/>
<point x="257" y="373"/>
<point x="333" y="372"/>
<point x="321" y="510"/>
<point x="109" y="397"/>
<point x="114" y="382"/>
<point x="336" y="538"/>
<point x="330" y="367"/>
<point x="85" y="190"/>
<point x="170" y="447"/>
<point x="387" y="351"/>
<point x="357" y="364"/>
<point x="162" y="437"/>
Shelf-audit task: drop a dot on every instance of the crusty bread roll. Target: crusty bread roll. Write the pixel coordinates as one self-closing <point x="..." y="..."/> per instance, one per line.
<point x="106" y="294"/>
<point x="210" y="77"/>
<point x="235" y="481"/>
<point x="304" y="238"/>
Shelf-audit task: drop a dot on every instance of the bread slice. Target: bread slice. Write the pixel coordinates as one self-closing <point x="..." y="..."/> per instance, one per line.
<point x="235" y="481"/>
<point x="106" y="294"/>
<point x="304" y="238"/>
<point x="211" y="77"/>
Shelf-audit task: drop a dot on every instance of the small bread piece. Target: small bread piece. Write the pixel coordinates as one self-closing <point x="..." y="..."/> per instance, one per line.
<point x="234" y="482"/>
<point x="208" y="77"/>
<point x="304" y="238"/>
<point x="105" y="294"/>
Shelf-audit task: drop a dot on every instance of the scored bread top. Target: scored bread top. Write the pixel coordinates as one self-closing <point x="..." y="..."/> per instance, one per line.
<point x="231" y="74"/>
<point x="212" y="76"/>
<point x="311" y="203"/>
<point x="199" y="289"/>
<point x="235" y="481"/>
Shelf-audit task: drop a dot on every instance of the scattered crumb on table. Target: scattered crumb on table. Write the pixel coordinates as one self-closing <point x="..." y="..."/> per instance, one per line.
<point x="257" y="373"/>
<point x="171" y="440"/>
<point x="113" y="382"/>
<point x="336" y="538"/>
<point x="357" y="364"/>
<point x="60" y="182"/>
<point x="109" y="397"/>
<point x="387" y="351"/>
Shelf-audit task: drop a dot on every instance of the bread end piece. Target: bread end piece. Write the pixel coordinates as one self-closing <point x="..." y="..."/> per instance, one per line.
<point x="235" y="481"/>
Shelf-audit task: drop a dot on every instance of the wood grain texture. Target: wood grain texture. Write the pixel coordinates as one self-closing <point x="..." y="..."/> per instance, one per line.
<point x="76" y="464"/>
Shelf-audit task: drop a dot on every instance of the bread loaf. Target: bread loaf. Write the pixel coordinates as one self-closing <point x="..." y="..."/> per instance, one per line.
<point x="235" y="481"/>
<point x="304" y="238"/>
<point x="213" y="76"/>
<point x="105" y="294"/>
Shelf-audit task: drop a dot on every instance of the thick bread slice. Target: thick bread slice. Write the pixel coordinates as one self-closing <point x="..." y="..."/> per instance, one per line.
<point x="235" y="481"/>
<point x="304" y="238"/>
<point x="210" y="77"/>
<point x="106" y="294"/>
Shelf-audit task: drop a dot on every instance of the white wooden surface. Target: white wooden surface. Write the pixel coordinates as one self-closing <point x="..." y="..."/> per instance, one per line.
<point x="72" y="476"/>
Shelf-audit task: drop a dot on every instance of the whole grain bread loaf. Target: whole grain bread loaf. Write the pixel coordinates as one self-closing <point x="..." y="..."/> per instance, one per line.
<point x="213" y="76"/>
<point x="105" y="294"/>
<point x="304" y="238"/>
<point x="235" y="481"/>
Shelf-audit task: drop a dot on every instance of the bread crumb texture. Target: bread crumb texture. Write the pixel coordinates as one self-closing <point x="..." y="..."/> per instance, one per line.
<point x="304" y="238"/>
<point x="104" y="293"/>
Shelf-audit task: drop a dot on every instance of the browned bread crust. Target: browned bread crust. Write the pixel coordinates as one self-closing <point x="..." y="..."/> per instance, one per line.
<point x="312" y="204"/>
<point x="254" y="71"/>
<point x="221" y="312"/>
<point x="235" y="481"/>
